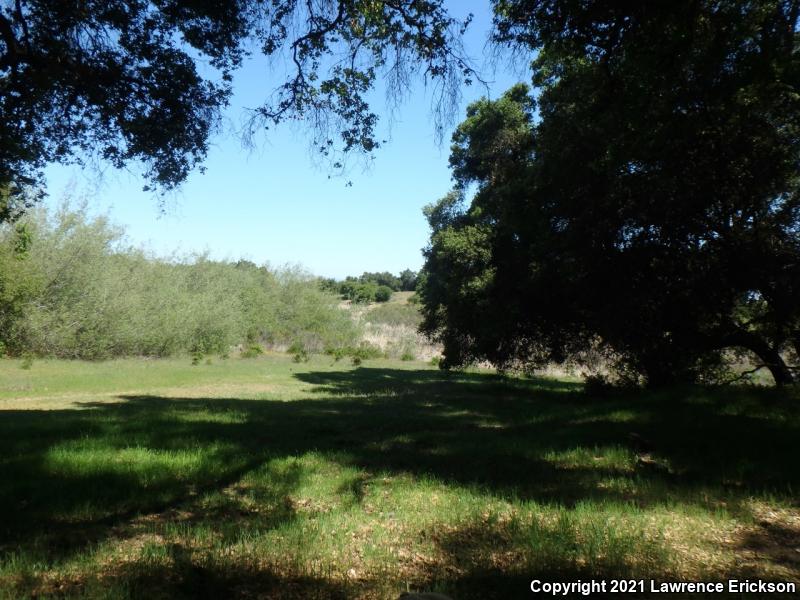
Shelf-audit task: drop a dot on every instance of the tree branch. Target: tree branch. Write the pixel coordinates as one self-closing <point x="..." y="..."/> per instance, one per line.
<point x="11" y="57"/>
<point x="743" y="375"/>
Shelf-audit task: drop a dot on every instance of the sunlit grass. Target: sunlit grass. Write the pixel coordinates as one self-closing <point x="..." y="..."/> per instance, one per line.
<point x="268" y="478"/>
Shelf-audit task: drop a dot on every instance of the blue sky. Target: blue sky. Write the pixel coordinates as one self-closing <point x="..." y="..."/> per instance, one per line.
<point x="274" y="204"/>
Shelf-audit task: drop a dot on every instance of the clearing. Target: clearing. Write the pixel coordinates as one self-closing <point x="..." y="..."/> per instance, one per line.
<point x="266" y="478"/>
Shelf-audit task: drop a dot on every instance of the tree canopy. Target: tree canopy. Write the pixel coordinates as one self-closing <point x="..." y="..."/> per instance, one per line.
<point x="144" y="81"/>
<point x="642" y="198"/>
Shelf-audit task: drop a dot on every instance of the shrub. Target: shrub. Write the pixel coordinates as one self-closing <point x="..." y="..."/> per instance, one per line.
<point x="299" y="352"/>
<point x="252" y="351"/>
<point x="367" y="351"/>
<point x="77" y="291"/>
<point x="337" y="353"/>
<point x="308" y="316"/>
<point x="363" y="351"/>
<point x="295" y="347"/>
<point x="383" y="293"/>
<point x="364" y="291"/>
<point x="406" y="356"/>
<point x="384" y="279"/>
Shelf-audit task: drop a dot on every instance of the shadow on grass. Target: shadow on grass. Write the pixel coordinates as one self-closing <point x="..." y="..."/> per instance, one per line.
<point x="183" y="577"/>
<point x="69" y="479"/>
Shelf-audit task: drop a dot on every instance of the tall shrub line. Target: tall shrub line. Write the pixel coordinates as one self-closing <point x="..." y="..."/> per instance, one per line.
<point x="77" y="289"/>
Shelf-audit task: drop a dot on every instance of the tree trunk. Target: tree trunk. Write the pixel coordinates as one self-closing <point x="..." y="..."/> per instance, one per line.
<point x="771" y="358"/>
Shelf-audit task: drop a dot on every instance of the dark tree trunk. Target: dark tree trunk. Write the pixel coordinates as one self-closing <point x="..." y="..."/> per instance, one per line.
<point x="771" y="358"/>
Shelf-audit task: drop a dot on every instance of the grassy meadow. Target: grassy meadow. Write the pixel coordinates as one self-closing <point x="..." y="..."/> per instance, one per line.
<point x="268" y="478"/>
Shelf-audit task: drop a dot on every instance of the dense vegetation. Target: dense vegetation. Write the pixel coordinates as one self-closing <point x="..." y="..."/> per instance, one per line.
<point x="642" y="200"/>
<point x="267" y="478"/>
<point x="70" y="287"/>
<point x="372" y="287"/>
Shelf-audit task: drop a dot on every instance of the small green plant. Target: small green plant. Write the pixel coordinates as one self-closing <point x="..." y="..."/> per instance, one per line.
<point x="337" y="353"/>
<point x="406" y="356"/>
<point x="356" y="361"/>
<point x="27" y="361"/>
<point x="252" y="351"/>
<point x="299" y="352"/>
<point x="196" y="357"/>
<point x="295" y="348"/>
<point x="436" y="361"/>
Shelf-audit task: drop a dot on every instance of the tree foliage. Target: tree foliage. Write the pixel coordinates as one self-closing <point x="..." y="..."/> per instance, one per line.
<point x="646" y="202"/>
<point x="372" y="287"/>
<point x="408" y="280"/>
<point x="144" y="81"/>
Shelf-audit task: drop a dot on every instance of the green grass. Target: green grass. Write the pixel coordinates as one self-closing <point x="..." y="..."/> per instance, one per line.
<point x="273" y="479"/>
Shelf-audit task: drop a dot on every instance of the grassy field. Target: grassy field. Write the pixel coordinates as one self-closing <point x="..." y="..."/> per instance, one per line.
<point x="265" y="478"/>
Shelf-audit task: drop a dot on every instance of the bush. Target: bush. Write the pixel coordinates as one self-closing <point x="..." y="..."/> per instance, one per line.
<point x="309" y="317"/>
<point x="384" y="279"/>
<point x="383" y="293"/>
<point x="367" y="351"/>
<point x="337" y="353"/>
<point x="359" y="292"/>
<point x="252" y="351"/>
<point x="299" y="352"/>
<point x="363" y="351"/>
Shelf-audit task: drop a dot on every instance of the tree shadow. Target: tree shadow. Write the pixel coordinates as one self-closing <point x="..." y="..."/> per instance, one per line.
<point x="71" y="478"/>
<point x="181" y="574"/>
